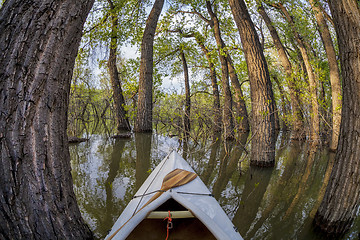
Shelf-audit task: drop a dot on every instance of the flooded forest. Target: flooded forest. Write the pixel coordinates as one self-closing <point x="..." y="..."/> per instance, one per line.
<point x="261" y="98"/>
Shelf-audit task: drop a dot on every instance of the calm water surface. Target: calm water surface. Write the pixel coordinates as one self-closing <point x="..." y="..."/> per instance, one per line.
<point x="276" y="203"/>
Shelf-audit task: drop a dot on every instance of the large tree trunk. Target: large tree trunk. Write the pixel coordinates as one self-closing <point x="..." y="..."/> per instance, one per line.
<point x="187" y="95"/>
<point x="228" y="102"/>
<point x="334" y="72"/>
<point x="297" y="120"/>
<point x="38" y="45"/>
<point x="313" y="81"/>
<point x="262" y="98"/>
<point x="145" y="102"/>
<point x="341" y="201"/>
<point x="215" y="89"/>
<point x="119" y="100"/>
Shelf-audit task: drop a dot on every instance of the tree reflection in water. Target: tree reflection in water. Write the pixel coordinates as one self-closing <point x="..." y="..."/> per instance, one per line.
<point x="274" y="203"/>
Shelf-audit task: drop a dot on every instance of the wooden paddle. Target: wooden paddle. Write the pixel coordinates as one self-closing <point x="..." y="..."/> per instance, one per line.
<point x="175" y="178"/>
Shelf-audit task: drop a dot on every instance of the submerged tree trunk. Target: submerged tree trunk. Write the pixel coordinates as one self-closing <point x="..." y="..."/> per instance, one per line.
<point x="297" y="117"/>
<point x="119" y="100"/>
<point x="262" y="98"/>
<point x="145" y="102"/>
<point x="228" y="120"/>
<point x="242" y="118"/>
<point x="341" y="201"/>
<point x="215" y="89"/>
<point x="284" y="103"/>
<point x="313" y="81"/>
<point x="334" y="72"/>
<point x="38" y="45"/>
<point x="187" y="95"/>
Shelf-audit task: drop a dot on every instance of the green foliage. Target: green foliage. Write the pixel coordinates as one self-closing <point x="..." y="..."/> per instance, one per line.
<point x="131" y="17"/>
<point x="183" y="26"/>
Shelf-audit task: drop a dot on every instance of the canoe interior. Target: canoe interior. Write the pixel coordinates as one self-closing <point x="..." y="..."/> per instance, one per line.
<point x="185" y="228"/>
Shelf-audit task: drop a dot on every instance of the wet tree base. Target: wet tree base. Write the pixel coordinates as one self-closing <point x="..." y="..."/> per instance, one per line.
<point x="122" y="135"/>
<point x="332" y="230"/>
<point x="77" y="140"/>
<point x="264" y="164"/>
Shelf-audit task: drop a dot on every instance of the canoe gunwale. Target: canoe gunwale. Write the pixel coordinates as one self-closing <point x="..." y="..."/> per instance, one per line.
<point x="202" y="216"/>
<point x="201" y="204"/>
<point x="198" y="213"/>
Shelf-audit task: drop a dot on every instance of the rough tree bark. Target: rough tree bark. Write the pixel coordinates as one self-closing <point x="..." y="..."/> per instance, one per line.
<point x="228" y="119"/>
<point x="334" y="72"/>
<point x="187" y="94"/>
<point x="262" y="98"/>
<point x="297" y="120"/>
<point x="143" y="121"/>
<point x="38" y="45"/>
<point x="342" y="199"/>
<point x="122" y="120"/>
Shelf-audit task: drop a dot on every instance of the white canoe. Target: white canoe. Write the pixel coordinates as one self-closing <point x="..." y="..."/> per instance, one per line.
<point x="196" y="213"/>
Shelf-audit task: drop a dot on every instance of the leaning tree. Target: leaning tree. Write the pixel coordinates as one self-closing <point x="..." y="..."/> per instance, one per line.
<point x="342" y="199"/>
<point x="38" y="44"/>
<point x="262" y="97"/>
<point x="143" y="121"/>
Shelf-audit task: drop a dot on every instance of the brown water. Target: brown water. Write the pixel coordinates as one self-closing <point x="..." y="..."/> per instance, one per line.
<point x="276" y="203"/>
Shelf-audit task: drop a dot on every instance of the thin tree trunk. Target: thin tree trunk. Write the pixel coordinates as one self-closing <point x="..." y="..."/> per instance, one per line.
<point x="215" y="88"/>
<point x="313" y="81"/>
<point x="145" y="102"/>
<point x="334" y="72"/>
<point x="297" y="120"/>
<point x="187" y="95"/>
<point x="284" y="103"/>
<point x="228" y="102"/>
<point x="119" y="100"/>
<point x="342" y="197"/>
<point x="262" y="98"/>
<point x="240" y="105"/>
<point x="38" y="45"/>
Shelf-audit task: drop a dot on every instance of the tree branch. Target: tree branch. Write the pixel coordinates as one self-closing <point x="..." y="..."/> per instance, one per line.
<point x="103" y="20"/>
<point x="167" y="55"/>
<point x="197" y="13"/>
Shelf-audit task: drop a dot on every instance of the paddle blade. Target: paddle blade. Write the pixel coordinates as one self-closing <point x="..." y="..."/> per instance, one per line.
<point x="177" y="178"/>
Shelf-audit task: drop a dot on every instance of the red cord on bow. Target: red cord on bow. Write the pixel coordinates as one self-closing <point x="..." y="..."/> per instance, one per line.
<point x="168" y="225"/>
